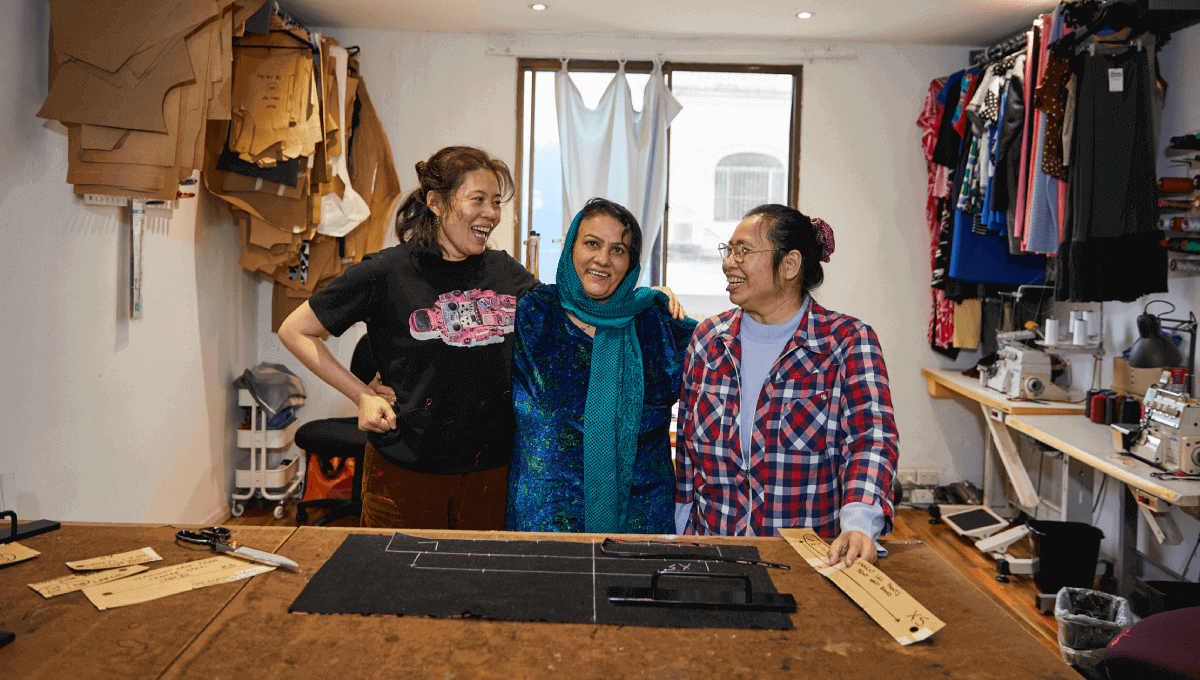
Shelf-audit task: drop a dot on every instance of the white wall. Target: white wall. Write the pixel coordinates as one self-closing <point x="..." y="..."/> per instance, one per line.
<point x="861" y="169"/>
<point x="107" y="418"/>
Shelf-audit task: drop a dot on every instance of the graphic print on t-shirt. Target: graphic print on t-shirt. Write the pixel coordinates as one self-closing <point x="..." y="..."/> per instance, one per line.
<point x="476" y="317"/>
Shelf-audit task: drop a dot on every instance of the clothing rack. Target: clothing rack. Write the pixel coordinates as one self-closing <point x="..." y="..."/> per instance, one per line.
<point x="999" y="50"/>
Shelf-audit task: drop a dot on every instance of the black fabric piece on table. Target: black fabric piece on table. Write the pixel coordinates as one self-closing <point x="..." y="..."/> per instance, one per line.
<point x="552" y="581"/>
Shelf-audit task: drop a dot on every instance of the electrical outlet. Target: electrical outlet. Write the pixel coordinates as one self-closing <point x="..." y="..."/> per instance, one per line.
<point x="907" y="477"/>
<point x="927" y="477"/>
<point x="921" y="497"/>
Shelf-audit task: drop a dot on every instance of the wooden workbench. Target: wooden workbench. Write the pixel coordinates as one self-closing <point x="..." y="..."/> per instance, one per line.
<point x="243" y="629"/>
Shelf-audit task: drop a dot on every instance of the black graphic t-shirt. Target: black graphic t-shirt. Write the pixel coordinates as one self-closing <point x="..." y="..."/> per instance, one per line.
<point x="441" y="335"/>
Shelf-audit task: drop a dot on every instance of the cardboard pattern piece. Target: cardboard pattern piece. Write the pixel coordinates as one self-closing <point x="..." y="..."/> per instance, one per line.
<point x="124" y="559"/>
<point x="69" y="584"/>
<point x="887" y="603"/>
<point x="525" y="580"/>
<point x="15" y="552"/>
<point x="170" y="581"/>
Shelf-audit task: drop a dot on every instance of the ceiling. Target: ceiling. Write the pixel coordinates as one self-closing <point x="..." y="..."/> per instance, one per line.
<point x="898" y="22"/>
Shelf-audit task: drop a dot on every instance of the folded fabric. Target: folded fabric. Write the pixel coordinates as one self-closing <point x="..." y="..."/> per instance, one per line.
<point x="273" y="386"/>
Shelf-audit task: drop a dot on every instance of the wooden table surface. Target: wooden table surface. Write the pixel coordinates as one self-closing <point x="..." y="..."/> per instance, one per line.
<point x="243" y="629"/>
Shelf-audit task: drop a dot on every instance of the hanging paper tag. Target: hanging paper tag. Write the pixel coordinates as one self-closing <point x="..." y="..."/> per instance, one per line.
<point x="1116" y="80"/>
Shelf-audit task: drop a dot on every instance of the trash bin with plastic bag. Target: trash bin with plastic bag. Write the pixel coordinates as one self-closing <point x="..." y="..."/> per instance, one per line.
<point x="1087" y="621"/>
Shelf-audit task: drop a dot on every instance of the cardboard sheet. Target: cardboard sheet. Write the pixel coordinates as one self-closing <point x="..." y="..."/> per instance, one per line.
<point x="221" y="68"/>
<point x="73" y="582"/>
<point x="275" y="98"/>
<point x="101" y="138"/>
<point x="137" y="147"/>
<point x="900" y="614"/>
<point x="282" y="305"/>
<point x="15" y="552"/>
<point x="81" y="93"/>
<point x="521" y="580"/>
<point x="124" y="559"/>
<point x="181" y="578"/>
<point x="373" y="176"/>
<point x="128" y="26"/>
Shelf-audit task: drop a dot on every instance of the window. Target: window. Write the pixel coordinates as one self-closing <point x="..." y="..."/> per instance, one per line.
<point x="743" y="181"/>
<point x="734" y="146"/>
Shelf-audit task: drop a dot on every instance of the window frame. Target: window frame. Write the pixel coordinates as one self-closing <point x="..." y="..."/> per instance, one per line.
<point x="658" y="273"/>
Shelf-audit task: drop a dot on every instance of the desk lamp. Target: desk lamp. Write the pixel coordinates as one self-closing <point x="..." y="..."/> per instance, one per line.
<point x="1152" y="350"/>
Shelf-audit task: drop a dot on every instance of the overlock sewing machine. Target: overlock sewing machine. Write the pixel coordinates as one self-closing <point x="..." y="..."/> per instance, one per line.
<point x="1021" y="371"/>
<point x="1169" y="433"/>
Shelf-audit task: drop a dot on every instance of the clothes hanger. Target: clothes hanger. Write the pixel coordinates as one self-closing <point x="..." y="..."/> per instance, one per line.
<point x="1117" y="15"/>
<point x="304" y="44"/>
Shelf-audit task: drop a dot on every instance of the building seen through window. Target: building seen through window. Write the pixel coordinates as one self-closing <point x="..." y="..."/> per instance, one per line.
<point x="745" y="180"/>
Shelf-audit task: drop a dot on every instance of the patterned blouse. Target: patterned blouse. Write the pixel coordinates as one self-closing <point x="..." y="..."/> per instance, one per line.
<point x="551" y="371"/>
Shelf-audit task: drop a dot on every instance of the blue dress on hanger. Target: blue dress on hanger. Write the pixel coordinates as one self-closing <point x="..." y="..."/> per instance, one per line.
<point x="551" y="370"/>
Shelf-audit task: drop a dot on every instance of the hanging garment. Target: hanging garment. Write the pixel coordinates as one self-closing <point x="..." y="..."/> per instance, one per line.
<point x="949" y="142"/>
<point x="941" y="320"/>
<point x="1008" y="150"/>
<point x="1112" y="225"/>
<point x="615" y="152"/>
<point x="1031" y="60"/>
<point x="1041" y="233"/>
<point x="341" y="214"/>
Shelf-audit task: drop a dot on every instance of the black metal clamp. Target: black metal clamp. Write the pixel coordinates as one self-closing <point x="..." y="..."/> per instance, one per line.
<point x="694" y="598"/>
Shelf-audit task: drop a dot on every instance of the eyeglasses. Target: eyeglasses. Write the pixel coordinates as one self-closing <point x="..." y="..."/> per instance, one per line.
<point x="738" y="251"/>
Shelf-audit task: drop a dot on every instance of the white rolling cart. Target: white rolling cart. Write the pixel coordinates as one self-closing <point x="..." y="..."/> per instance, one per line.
<point x="273" y="484"/>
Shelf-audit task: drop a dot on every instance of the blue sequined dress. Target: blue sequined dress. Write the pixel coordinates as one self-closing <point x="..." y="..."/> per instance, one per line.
<point x="551" y="370"/>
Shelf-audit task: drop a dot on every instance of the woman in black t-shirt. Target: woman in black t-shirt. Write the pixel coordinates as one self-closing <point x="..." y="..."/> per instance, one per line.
<point x="439" y="309"/>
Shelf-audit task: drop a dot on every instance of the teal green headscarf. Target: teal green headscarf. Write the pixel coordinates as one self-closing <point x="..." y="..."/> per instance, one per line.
<point x="613" y="411"/>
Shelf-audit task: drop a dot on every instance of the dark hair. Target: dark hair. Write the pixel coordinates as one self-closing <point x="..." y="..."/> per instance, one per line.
<point x="789" y="229"/>
<point x="442" y="174"/>
<point x="603" y="206"/>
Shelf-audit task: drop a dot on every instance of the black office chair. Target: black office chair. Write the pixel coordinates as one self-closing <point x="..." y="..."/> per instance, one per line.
<point x="338" y="438"/>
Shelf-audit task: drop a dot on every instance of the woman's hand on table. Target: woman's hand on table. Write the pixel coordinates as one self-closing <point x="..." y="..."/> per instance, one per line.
<point x="853" y="545"/>
<point x="673" y="305"/>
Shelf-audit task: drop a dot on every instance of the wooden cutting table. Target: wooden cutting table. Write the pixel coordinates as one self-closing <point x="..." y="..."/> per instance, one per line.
<point x="243" y="629"/>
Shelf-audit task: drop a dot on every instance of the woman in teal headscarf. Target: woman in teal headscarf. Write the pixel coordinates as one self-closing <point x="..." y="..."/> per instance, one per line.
<point x="597" y="366"/>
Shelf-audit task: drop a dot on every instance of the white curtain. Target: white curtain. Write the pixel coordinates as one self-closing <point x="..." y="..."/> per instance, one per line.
<point x="616" y="153"/>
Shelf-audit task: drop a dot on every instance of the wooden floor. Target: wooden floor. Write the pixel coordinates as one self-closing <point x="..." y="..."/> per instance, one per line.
<point x="1017" y="597"/>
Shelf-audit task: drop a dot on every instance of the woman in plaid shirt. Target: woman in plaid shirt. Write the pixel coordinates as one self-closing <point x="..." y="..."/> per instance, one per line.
<point x="811" y="441"/>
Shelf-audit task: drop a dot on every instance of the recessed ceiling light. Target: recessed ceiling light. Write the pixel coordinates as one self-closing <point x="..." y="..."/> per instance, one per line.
<point x="537" y="7"/>
<point x="805" y="15"/>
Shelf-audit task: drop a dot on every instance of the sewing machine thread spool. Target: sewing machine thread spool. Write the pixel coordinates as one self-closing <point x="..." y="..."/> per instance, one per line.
<point x="1111" y="411"/>
<point x="1080" y="332"/>
<point x="1130" y="411"/>
<point x="1087" y="402"/>
<point x="1051" y="331"/>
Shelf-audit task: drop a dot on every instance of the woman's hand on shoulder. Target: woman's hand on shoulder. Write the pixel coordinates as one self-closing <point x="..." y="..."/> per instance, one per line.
<point x="673" y="305"/>
<point x="375" y="414"/>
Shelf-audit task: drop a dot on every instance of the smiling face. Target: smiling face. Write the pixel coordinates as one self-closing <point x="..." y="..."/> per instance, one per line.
<point x="601" y="255"/>
<point x="752" y="283"/>
<point x="469" y="216"/>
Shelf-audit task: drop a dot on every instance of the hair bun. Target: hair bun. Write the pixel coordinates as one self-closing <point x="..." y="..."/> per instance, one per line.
<point x="824" y="236"/>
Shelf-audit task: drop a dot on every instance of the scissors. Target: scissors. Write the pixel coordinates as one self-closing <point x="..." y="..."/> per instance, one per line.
<point x="218" y="539"/>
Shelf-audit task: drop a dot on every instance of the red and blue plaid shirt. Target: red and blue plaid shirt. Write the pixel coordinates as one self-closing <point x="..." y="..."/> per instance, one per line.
<point x="824" y="432"/>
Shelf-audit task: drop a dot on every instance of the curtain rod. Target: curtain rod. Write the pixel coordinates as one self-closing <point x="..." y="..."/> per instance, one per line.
<point x="774" y="58"/>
